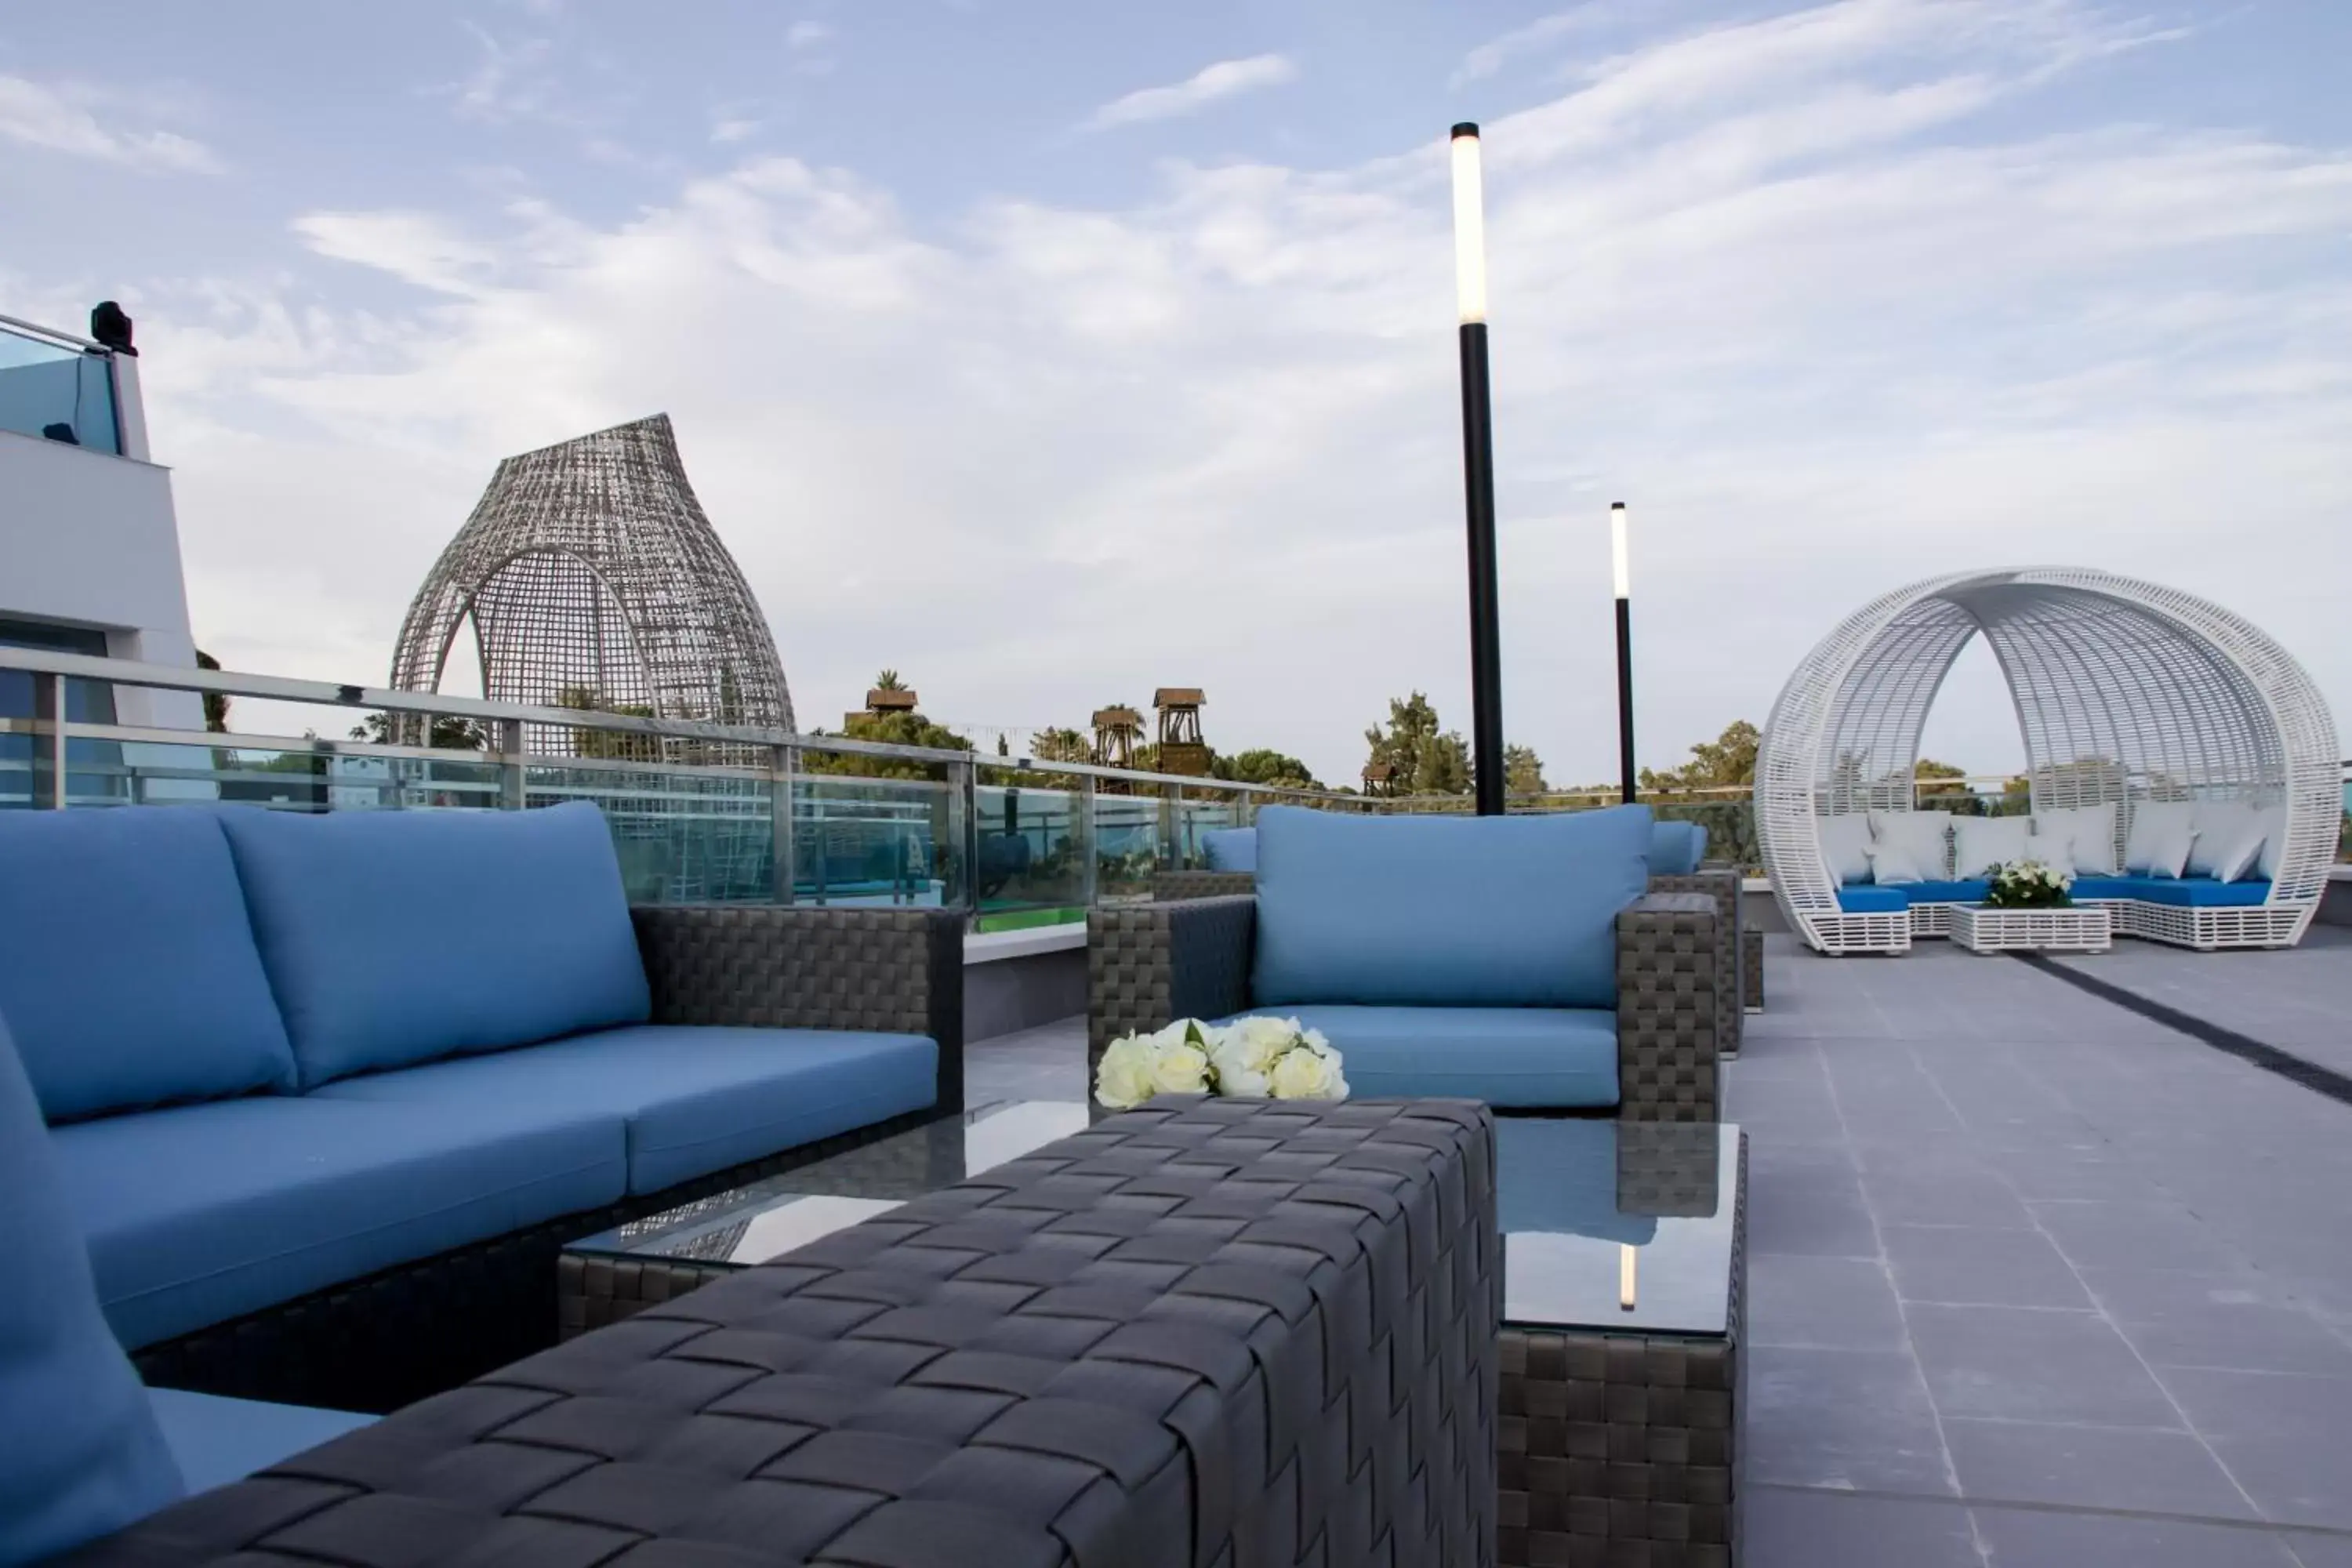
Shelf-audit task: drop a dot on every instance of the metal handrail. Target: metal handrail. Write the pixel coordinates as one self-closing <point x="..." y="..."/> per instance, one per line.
<point x="70" y="340"/>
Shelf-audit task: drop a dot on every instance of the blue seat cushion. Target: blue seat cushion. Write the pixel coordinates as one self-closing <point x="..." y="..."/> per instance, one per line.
<point x="1676" y="847"/>
<point x="216" y="1441"/>
<point x="81" y="1453"/>
<point x="696" y="1099"/>
<point x="127" y="965"/>
<point x="1231" y="848"/>
<point x="1555" y="1058"/>
<point x="2109" y="887"/>
<point x="1862" y="899"/>
<point x="396" y="937"/>
<point x="201" y="1213"/>
<point x="2203" y="893"/>
<point x="1968" y="892"/>
<point x="1462" y="911"/>
<point x="1559" y="1175"/>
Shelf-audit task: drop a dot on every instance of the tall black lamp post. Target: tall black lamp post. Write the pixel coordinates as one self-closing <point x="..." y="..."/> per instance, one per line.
<point x="1478" y="474"/>
<point x="1621" y="579"/>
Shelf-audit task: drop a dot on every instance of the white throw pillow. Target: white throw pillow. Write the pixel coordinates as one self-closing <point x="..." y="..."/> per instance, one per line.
<point x="2055" y="850"/>
<point x="2274" y="820"/>
<point x="1845" y="846"/>
<point x="2229" y="836"/>
<point x="2091" y="828"/>
<point x="1980" y="843"/>
<point x="2162" y="832"/>
<point x="1892" y="865"/>
<point x="1925" y="834"/>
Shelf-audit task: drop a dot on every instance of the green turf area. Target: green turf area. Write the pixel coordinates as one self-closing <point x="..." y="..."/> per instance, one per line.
<point x="1028" y="920"/>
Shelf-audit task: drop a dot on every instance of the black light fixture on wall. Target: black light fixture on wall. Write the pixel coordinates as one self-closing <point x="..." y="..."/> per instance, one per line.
<point x="1621" y="578"/>
<point x="1478" y="474"/>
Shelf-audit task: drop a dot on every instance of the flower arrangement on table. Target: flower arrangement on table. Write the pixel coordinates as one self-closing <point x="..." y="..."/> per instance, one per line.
<point x="1250" y="1058"/>
<point x="2029" y="885"/>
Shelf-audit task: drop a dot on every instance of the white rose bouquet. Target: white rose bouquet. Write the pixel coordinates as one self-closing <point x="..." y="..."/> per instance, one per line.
<point x="2029" y="885"/>
<point x="1249" y="1058"/>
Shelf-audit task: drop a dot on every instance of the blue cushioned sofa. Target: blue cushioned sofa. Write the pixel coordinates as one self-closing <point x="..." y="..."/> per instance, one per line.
<point x="1517" y="960"/>
<point x="1677" y="859"/>
<point x="327" y="1093"/>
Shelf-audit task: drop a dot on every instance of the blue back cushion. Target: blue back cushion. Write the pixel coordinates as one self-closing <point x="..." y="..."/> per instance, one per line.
<point x="394" y="937"/>
<point x="1231" y="848"/>
<point x="127" y="965"/>
<point x="1510" y="911"/>
<point x="1677" y="849"/>
<point x="81" y="1453"/>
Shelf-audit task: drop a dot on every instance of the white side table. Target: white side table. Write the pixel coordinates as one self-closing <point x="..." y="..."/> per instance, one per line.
<point x="2085" y="928"/>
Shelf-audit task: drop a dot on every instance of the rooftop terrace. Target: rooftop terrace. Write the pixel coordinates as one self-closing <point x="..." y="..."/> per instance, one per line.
<point x="2035" y="1280"/>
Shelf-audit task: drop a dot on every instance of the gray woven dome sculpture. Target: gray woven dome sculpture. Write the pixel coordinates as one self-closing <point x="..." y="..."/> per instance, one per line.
<point x="592" y="578"/>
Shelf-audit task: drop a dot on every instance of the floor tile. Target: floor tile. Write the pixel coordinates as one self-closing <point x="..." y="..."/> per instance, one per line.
<point x="1823" y="1530"/>
<point x="2316" y="1410"/>
<point x="2019" y="1538"/>
<point x="1971" y="1265"/>
<point x="2290" y="1479"/>
<point x="1944" y="1197"/>
<point x="1847" y="1419"/>
<point x="1834" y="1303"/>
<point x="1811" y="1223"/>
<point x="2147" y="1234"/>
<point x="2022" y="1364"/>
<point x="2091" y="1467"/>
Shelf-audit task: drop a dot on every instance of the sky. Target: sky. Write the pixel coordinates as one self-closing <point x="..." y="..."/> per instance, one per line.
<point x="1048" y="353"/>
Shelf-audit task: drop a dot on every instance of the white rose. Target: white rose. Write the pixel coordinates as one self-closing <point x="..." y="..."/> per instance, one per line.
<point x="1255" y="1043"/>
<point x="1180" y="1068"/>
<point x="1235" y="1075"/>
<point x="1123" y="1077"/>
<point x="1308" y="1074"/>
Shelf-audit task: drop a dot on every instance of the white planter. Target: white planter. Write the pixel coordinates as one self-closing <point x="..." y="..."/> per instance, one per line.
<point x="2086" y="928"/>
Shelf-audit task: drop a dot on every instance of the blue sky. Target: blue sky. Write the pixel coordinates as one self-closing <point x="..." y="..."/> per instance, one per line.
<point x="1049" y="352"/>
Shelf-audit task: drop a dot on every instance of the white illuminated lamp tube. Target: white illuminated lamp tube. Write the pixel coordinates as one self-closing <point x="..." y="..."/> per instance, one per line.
<point x="1625" y="1277"/>
<point x="1478" y="476"/>
<point x="1469" y="227"/>
<point x="1620" y="569"/>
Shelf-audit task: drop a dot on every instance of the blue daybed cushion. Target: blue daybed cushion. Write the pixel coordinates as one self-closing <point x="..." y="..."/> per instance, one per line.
<point x="1677" y="849"/>
<point x="216" y="1441"/>
<point x="1556" y="1057"/>
<point x="1862" y="899"/>
<point x="1498" y="911"/>
<point x="396" y="937"/>
<point x="696" y="1099"/>
<point x="1231" y="848"/>
<point x="1945" y="892"/>
<point x="80" y="1454"/>
<point x="127" y="965"/>
<point x="202" y="1213"/>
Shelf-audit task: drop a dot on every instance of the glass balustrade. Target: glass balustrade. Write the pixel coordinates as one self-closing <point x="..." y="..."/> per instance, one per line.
<point x="56" y="390"/>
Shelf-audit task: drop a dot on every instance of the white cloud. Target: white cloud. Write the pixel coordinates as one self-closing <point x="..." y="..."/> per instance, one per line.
<point x="61" y="120"/>
<point x="1204" y="87"/>
<point x="725" y="131"/>
<point x="807" y="35"/>
<point x="1492" y="55"/>
<point x="1050" y="456"/>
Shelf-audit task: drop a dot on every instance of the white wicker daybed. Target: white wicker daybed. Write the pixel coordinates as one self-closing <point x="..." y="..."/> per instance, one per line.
<point x="2139" y="706"/>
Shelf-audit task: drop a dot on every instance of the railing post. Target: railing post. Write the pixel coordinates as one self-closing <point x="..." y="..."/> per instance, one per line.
<point x="783" y="764"/>
<point x="1171" y="817"/>
<point x="1089" y="869"/>
<point x="963" y="782"/>
<point x="510" y="780"/>
<point x="50" y="711"/>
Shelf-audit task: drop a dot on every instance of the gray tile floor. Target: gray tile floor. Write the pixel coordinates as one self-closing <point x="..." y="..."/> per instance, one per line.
<point x="2033" y="1281"/>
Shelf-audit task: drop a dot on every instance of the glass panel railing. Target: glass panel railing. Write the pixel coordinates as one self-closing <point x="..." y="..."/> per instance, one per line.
<point x="683" y="837"/>
<point x="876" y="841"/>
<point x="52" y="390"/>
<point x="1131" y="835"/>
<point x="1032" y="855"/>
<point x="1195" y="818"/>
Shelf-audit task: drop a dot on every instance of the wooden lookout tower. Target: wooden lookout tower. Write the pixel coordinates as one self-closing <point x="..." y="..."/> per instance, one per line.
<point x="883" y="700"/>
<point x="1117" y="732"/>
<point x="1380" y="779"/>
<point x="1181" y="749"/>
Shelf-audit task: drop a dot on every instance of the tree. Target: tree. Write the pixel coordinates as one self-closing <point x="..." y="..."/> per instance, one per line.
<point x="1522" y="771"/>
<point x="449" y="733"/>
<point x="1723" y="763"/>
<point x="1061" y="746"/>
<point x="1427" y="760"/>
<point x="1264" y="765"/>
<point x="216" y="702"/>
<point x="904" y="728"/>
<point x="609" y="743"/>
<point x="888" y="681"/>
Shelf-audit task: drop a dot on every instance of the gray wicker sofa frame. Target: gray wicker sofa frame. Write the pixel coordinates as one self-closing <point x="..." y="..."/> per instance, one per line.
<point x="1149" y="964"/>
<point x="419" y="1327"/>
<point x="1734" y="955"/>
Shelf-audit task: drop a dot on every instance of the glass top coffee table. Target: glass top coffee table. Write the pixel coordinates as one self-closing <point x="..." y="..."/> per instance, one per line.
<point x="1622" y="1269"/>
<point x="1624" y="1265"/>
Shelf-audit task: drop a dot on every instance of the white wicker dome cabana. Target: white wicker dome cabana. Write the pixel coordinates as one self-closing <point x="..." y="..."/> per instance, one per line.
<point x="2125" y="693"/>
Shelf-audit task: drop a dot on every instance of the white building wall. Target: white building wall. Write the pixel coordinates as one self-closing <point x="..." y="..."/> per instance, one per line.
<point x="90" y="539"/>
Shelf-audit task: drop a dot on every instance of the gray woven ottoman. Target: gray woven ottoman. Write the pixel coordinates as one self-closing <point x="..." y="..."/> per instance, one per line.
<point x="1205" y="1335"/>
<point x="1624" y="1263"/>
